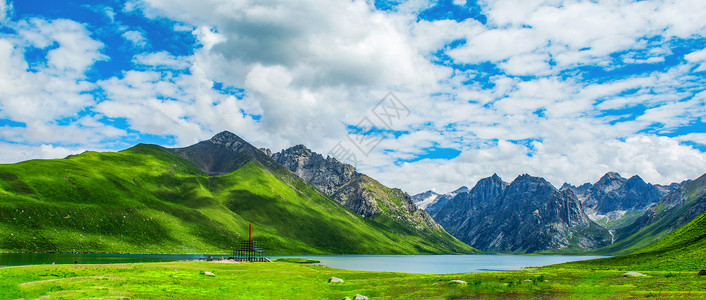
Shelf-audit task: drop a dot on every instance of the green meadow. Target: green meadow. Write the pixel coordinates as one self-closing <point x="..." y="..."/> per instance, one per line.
<point x="281" y="280"/>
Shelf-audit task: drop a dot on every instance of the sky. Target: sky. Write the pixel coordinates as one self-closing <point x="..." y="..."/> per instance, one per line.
<point x="421" y="95"/>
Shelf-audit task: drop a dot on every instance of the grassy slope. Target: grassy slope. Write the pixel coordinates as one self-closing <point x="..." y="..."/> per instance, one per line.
<point x="681" y="250"/>
<point x="184" y="280"/>
<point x="395" y="218"/>
<point x="667" y="221"/>
<point x="147" y="200"/>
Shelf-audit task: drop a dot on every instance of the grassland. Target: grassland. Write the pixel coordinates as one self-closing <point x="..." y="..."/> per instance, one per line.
<point x="681" y="250"/>
<point x="186" y="280"/>
<point x="148" y="200"/>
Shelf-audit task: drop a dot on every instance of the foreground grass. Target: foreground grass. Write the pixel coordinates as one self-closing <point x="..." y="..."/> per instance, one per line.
<point x="185" y="280"/>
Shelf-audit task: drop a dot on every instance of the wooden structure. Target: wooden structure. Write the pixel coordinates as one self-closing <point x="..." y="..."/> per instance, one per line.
<point x="249" y="250"/>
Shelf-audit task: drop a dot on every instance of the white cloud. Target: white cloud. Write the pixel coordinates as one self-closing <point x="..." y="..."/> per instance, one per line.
<point x="697" y="57"/>
<point x="307" y="68"/>
<point x="11" y="153"/>
<point x="136" y="38"/>
<point x="577" y="32"/>
<point x="55" y="88"/>
<point x="5" y="10"/>
<point x="655" y="159"/>
<point x="698" y="138"/>
<point x="162" y="60"/>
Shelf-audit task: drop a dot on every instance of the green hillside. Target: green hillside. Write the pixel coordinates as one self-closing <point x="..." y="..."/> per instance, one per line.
<point x="148" y="200"/>
<point x="681" y="250"/>
<point x="674" y="211"/>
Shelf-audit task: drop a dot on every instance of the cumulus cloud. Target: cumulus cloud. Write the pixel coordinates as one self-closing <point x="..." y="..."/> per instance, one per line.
<point x="699" y="58"/>
<point x="510" y="93"/>
<point x="575" y="32"/>
<point x="53" y="87"/>
<point x="136" y="38"/>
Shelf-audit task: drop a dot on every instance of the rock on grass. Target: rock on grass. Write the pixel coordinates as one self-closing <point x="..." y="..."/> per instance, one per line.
<point x="335" y="280"/>
<point x="633" y="274"/>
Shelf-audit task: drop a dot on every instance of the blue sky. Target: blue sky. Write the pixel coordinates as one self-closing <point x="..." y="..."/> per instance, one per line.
<point x="567" y="90"/>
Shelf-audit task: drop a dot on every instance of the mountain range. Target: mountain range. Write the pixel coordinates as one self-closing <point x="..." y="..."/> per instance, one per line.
<point x="527" y="215"/>
<point x="196" y="199"/>
<point x="614" y="201"/>
<point x="201" y="199"/>
<point x="615" y="215"/>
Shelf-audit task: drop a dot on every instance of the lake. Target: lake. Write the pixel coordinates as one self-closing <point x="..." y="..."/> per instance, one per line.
<point x="441" y="264"/>
<point x="430" y="264"/>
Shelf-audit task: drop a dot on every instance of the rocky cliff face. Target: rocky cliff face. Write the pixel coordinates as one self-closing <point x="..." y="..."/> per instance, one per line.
<point x="527" y="215"/>
<point x="326" y="174"/>
<point x="358" y="192"/>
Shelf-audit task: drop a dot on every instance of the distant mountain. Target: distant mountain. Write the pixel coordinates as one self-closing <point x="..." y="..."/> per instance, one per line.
<point x="434" y="203"/>
<point x="525" y="216"/>
<point x="196" y="199"/>
<point x="678" y="208"/>
<point x="614" y="201"/>
<point x="389" y="208"/>
<point x="422" y="200"/>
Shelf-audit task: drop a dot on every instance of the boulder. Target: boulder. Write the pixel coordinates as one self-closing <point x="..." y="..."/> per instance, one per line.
<point x="633" y="274"/>
<point x="207" y="273"/>
<point x="702" y="273"/>
<point x="456" y="281"/>
<point x="359" y="297"/>
<point x="335" y="280"/>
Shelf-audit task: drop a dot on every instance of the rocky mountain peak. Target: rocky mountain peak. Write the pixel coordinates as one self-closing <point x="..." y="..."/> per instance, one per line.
<point x="567" y="186"/>
<point x="299" y="150"/>
<point x="223" y="153"/>
<point x="457" y="191"/>
<point x="225" y="137"/>
<point x="528" y="182"/>
<point x="610" y="180"/>
<point x="635" y="180"/>
<point x="327" y="174"/>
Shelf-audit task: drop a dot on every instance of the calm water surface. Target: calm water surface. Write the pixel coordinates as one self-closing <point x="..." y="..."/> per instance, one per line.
<point x="430" y="264"/>
<point x="441" y="264"/>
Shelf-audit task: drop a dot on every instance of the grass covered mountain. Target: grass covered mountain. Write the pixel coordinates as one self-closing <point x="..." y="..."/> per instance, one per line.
<point x="678" y="208"/>
<point x="198" y="199"/>
<point x="681" y="250"/>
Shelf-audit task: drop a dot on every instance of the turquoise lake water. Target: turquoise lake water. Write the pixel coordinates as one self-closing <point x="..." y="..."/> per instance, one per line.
<point x="441" y="264"/>
<point x="430" y="264"/>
